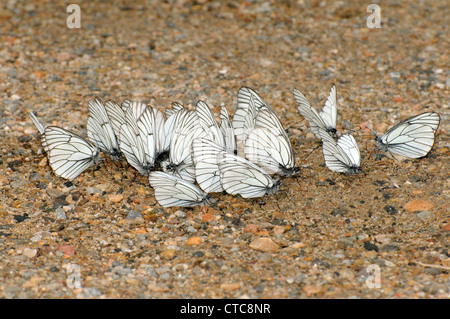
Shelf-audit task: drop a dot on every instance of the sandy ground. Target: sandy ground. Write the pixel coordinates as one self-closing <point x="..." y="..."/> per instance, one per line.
<point x="382" y="234"/>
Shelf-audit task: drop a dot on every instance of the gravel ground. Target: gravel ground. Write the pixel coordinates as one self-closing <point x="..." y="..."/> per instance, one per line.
<point x="323" y="235"/>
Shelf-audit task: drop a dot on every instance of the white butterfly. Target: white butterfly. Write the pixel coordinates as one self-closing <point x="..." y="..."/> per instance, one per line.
<point x="326" y="119"/>
<point x="228" y="132"/>
<point x="171" y="191"/>
<point x="136" y="138"/>
<point x="69" y="155"/>
<point x="100" y="130"/>
<point x="186" y="128"/>
<point x="412" y="138"/>
<point x="269" y="146"/>
<point x="249" y="104"/>
<point x="240" y="176"/>
<point x="162" y="145"/>
<point x="342" y="156"/>
<point x="169" y="124"/>
<point x="208" y="123"/>
<point x="116" y="116"/>
<point x="147" y="121"/>
<point x="204" y="154"/>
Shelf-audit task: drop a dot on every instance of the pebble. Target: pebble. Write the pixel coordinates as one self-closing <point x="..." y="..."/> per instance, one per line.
<point x="40" y="236"/>
<point x="29" y="252"/>
<point x="264" y="244"/>
<point x="93" y="190"/>
<point x="115" y="198"/>
<point x="60" y="214"/>
<point x="230" y="286"/>
<point x="312" y="289"/>
<point x="54" y="193"/>
<point x="132" y="214"/>
<point x="418" y="205"/>
<point x="196" y="240"/>
<point x="391" y="210"/>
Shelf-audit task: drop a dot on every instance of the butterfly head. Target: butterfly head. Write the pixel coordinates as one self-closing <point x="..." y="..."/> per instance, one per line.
<point x="332" y="131"/>
<point x="96" y="158"/>
<point x="116" y="155"/>
<point x="292" y="171"/>
<point x="274" y="188"/>
<point x="354" y="170"/>
<point x="208" y="200"/>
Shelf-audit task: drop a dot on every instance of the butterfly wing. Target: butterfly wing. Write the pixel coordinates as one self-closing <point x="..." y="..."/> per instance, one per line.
<point x="412" y="138"/>
<point x="69" y="154"/>
<point x="336" y="157"/>
<point x="131" y="144"/>
<point x="228" y="132"/>
<point x="269" y="146"/>
<point x="313" y="118"/>
<point x="249" y="103"/>
<point x="204" y="155"/>
<point x="100" y="130"/>
<point x="240" y="176"/>
<point x="37" y="123"/>
<point x="160" y="137"/>
<point x="329" y="112"/>
<point x="116" y="116"/>
<point x="209" y="124"/>
<point x="174" y="191"/>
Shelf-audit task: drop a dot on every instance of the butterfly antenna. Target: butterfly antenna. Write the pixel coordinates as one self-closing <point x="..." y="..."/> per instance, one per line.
<point x="313" y="150"/>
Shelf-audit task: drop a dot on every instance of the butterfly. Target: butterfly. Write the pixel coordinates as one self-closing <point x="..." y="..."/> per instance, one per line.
<point x="412" y="138"/>
<point x="204" y="155"/>
<point x="116" y="115"/>
<point x="240" y="176"/>
<point x="136" y="137"/>
<point x="228" y="132"/>
<point x="69" y="155"/>
<point x="249" y="103"/>
<point x="342" y="156"/>
<point x="208" y="123"/>
<point x="100" y="130"/>
<point x="186" y="128"/>
<point x="269" y="146"/>
<point x="171" y="191"/>
<point x="154" y="122"/>
<point x="326" y="119"/>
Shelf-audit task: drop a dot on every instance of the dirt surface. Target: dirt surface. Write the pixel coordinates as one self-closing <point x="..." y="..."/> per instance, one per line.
<point x="323" y="235"/>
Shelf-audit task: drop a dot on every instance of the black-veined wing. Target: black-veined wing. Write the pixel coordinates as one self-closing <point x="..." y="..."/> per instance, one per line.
<point x="204" y="154"/>
<point x="100" y="130"/>
<point x="228" y="132"/>
<point x="208" y="123"/>
<point x="175" y="108"/>
<point x="160" y="138"/>
<point x="269" y="146"/>
<point x="37" y="123"/>
<point x="132" y="145"/>
<point x="342" y="156"/>
<point x="169" y="125"/>
<point x="240" y="176"/>
<point x="116" y="116"/>
<point x="412" y="138"/>
<point x="314" y="119"/>
<point x="186" y="128"/>
<point x="249" y="104"/>
<point x="69" y="154"/>
<point x="171" y="191"/>
<point x="329" y="112"/>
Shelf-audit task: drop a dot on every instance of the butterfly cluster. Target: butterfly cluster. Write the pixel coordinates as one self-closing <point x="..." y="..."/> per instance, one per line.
<point x="187" y="154"/>
<point x="412" y="138"/>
